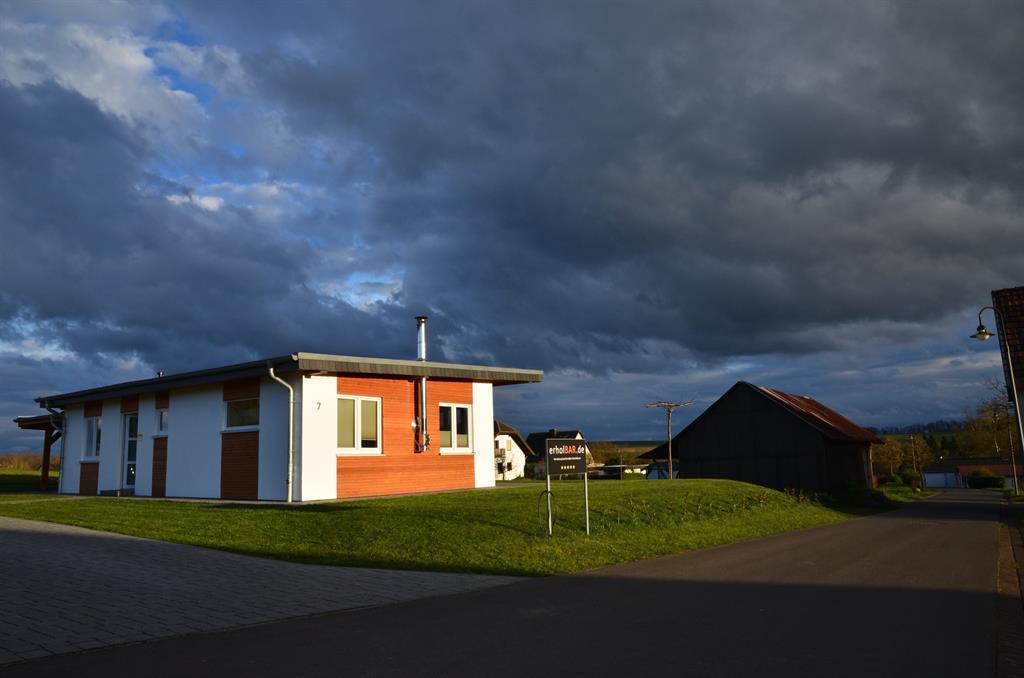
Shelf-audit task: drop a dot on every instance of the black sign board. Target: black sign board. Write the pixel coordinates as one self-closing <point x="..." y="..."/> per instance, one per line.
<point x="566" y="456"/>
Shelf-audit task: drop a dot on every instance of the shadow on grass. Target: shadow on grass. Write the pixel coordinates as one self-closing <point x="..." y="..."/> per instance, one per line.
<point x="413" y="513"/>
<point x="276" y="508"/>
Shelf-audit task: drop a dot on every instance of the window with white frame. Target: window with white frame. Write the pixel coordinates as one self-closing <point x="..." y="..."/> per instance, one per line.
<point x="243" y="413"/>
<point x="162" y="421"/>
<point x="359" y="424"/>
<point x="454" y="421"/>
<point x="93" y="431"/>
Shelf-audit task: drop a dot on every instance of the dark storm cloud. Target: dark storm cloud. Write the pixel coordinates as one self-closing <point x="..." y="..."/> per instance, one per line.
<point x="609" y="190"/>
<point x="656" y="172"/>
<point x="97" y="266"/>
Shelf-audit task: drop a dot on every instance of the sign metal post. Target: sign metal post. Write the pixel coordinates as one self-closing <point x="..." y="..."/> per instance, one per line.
<point x="566" y="457"/>
<point x="548" y="493"/>
<point x="586" y="501"/>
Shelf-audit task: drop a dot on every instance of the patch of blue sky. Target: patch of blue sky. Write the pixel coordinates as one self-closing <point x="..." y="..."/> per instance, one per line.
<point x="362" y="289"/>
<point x="235" y="149"/>
<point x="178" y="31"/>
<point x="203" y="92"/>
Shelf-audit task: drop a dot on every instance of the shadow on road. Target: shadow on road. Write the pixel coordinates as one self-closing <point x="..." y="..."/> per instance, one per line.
<point x="906" y="593"/>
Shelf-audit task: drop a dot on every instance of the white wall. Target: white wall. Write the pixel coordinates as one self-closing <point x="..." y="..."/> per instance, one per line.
<point x="74" y="446"/>
<point x="513" y="454"/>
<point x="144" y="447"/>
<point x="193" y="441"/>
<point x="318" y="466"/>
<point x="110" y="446"/>
<point x="940" y="480"/>
<point x="273" y="478"/>
<point x="483" y="434"/>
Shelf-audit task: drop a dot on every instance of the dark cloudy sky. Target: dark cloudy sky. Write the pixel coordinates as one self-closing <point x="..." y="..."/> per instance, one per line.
<point x="644" y="199"/>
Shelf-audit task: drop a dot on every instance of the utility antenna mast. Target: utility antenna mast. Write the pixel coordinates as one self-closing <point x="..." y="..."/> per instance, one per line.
<point x="668" y="407"/>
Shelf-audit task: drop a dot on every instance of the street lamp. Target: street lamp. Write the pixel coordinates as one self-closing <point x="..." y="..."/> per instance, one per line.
<point x="668" y="407"/>
<point x="982" y="335"/>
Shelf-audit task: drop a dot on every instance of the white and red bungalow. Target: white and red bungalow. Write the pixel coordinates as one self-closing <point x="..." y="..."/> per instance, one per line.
<point x="298" y="427"/>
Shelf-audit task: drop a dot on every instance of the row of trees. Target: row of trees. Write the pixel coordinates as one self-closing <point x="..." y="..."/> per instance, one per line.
<point x="988" y="431"/>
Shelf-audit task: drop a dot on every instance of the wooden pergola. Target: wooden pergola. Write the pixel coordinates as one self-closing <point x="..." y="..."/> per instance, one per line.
<point x="51" y="434"/>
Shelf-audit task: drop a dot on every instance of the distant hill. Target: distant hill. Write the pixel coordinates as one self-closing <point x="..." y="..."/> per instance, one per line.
<point x="611" y="451"/>
<point x="933" y="427"/>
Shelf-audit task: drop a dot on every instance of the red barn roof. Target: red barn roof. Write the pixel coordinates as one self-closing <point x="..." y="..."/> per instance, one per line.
<point x="825" y="419"/>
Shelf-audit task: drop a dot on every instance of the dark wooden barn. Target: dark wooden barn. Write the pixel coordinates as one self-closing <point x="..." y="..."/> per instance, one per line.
<point x="767" y="437"/>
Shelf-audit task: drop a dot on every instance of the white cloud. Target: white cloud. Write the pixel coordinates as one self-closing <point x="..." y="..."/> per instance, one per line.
<point x="210" y="203"/>
<point x="109" y="66"/>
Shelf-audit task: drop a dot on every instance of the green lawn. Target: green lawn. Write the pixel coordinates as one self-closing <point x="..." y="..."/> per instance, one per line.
<point x="494" y="531"/>
<point x="19" y="480"/>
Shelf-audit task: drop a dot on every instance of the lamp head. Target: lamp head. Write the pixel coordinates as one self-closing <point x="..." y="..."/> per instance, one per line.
<point x="982" y="334"/>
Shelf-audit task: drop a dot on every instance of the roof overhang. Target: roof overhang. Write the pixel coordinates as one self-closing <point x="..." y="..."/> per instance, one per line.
<point x="305" y="362"/>
<point x="38" y="422"/>
<point x="181" y="380"/>
<point x="500" y="376"/>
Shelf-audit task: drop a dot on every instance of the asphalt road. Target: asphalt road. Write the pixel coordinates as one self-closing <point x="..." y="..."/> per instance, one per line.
<point x="906" y="593"/>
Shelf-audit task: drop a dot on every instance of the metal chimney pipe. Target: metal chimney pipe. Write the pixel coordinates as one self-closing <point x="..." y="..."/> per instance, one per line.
<point x="421" y="337"/>
<point x="423" y="442"/>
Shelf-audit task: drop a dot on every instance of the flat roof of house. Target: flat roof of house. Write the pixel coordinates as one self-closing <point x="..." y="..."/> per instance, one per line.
<point x="302" y="362"/>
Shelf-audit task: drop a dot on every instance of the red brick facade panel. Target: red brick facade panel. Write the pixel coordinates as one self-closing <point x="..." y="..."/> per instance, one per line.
<point x="400" y="469"/>
<point x="94" y="408"/>
<point x="160" y="467"/>
<point x="242" y="388"/>
<point x="163" y="400"/>
<point x="129" y="404"/>
<point x="239" y="465"/>
<point x="88" y="479"/>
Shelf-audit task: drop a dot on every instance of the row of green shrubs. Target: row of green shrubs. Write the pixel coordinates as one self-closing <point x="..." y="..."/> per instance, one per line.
<point x="983" y="479"/>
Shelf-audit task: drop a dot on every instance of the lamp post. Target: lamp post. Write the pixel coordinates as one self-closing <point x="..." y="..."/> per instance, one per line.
<point x="668" y="407"/>
<point x="983" y="335"/>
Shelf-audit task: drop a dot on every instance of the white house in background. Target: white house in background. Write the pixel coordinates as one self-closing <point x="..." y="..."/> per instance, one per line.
<point x="510" y="452"/>
<point x="955" y="471"/>
<point x="301" y="427"/>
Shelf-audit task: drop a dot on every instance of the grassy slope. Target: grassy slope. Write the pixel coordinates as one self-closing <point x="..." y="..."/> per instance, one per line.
<point x="496" y="531"/>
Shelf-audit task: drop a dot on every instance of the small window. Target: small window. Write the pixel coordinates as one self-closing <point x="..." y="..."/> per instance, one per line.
<point x="93" y="433"/>
<point x="454" y="423"/>
<point x="359" y="424"/>
<point x="242" y="413"/>
<point x="445" y="417"/>
<point x="462" y="427"/>
<point x="368" y="424"/>
<point x="162" y="419"/>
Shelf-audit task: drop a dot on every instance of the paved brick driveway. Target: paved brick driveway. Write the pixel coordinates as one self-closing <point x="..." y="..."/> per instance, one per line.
<point x="64" y="589"/>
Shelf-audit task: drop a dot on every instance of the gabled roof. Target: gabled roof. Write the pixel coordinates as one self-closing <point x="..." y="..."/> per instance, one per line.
<point x="827" y="421"/>
<point x="952" y="464"/>
<point x="834" y="425"/>
<point x="304" y="362"/>
<point x="1004" y="469"/>
<point x="512" y="432"/>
